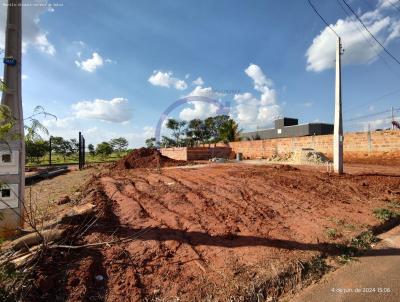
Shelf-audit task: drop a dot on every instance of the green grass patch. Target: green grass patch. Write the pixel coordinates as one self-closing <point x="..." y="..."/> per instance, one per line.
<point x="57" y="159"/>
<point x="385" y="214"/>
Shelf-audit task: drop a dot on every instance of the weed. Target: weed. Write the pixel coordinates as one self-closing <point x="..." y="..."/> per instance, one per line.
<point x="333" y="233"/>
<point x="8" y="277"/>
<point x="393" y="204"/>
<point x="364" y="240"/>
<point x="384" y="214"/>
<point x="361" y="242"/>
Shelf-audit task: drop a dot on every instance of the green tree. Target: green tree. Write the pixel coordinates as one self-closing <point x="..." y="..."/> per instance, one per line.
<point x="150" y="142"/>
<point x="167" y="142"/>
<point x="177" y="128"/>
<point x="230" y="131"/>
<point x="104" y="149"/>
<point x="63" y="147"/>
<point x="91" y="150"/>
<point x="35" y="150"/>
<point x="197" y="130"/>
<point x="119" y="144"/>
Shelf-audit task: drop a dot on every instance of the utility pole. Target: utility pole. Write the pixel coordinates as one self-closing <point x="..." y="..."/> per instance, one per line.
<point x="12" y="156"/>
<point x="338" y="127"/>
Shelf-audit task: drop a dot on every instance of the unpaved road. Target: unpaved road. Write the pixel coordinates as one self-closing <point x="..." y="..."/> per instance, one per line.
<point x="372" y="278"/>
<point x="212" y="233"/>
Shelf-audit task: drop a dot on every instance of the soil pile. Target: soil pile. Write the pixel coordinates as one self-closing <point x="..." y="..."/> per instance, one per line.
<point x="304" y="156"/>
<point x="147" y="158"/>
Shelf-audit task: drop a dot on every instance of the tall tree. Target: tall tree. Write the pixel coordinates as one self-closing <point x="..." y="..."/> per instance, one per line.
<point x="91" y="150"/>
<point x="35" y="150"/>
<point x="230" y="131"/>
<point x="150" y="142"/>
<point x="104" y="149"/>
<point x="177" y="129"/>
<point x="119" y="144"/>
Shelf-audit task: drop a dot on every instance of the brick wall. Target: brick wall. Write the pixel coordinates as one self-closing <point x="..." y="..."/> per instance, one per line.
<point x="175" y="153"/>
<point x="196" y="153"/>
<point x="356" y="145"/>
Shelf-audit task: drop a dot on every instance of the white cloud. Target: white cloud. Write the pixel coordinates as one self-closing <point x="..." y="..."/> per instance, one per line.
<point x="257" y="75"/>
<point x="199" y="82"/>
<point x="307" y="104"/>
<point x="116" y="110"/>
<point x="24" y="77"/>
<point x="376" y="124"/>
<point x="69" y="126"/>
<point x="199" y="110"/>
<point x="251" y="111"/>
<point x="43" y="44"/>
<point x="90" y="65"/>
<point x="206" y="92"/>
<point x="358" y="44"/>
<point x="32" y="35"/>
<point x="166" y="79"/>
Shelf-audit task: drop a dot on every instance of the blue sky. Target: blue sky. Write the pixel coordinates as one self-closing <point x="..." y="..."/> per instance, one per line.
<point x="110" y="69"/>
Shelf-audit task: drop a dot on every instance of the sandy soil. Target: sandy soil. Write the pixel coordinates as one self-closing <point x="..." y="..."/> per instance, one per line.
<point x="208" y="234"/>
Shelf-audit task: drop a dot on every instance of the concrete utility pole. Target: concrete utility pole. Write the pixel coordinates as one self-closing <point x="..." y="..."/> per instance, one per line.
<point x="12" y="156"/>
<point x="338" y="128"/>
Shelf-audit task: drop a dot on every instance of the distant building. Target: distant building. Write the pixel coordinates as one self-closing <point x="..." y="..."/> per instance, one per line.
<point x="289" y="127"/>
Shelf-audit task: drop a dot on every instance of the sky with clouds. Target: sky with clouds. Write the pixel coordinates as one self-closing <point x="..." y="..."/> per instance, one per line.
<point x="111" y="69"/>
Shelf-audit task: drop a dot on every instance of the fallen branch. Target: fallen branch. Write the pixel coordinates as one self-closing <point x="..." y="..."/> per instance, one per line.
<point x="34" y="239"/>
<point x="126" y="239"/>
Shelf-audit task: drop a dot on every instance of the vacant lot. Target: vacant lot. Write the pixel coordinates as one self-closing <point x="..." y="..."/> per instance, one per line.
<point x="209" y="233"/>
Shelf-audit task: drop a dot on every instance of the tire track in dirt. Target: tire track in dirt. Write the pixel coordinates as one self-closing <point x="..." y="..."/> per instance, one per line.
<point x="250" y="223"/>
<point x="186" y="254"/>
<point x="187" y="250"/>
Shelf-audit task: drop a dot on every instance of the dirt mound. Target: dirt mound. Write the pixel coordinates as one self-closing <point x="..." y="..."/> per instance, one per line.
<point x="303" y="156"/>
<point x="147" y="158"/>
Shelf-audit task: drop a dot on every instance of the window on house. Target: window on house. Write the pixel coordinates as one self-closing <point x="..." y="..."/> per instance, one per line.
<point x="5" y="193"/>
<point x="6" y="158"/>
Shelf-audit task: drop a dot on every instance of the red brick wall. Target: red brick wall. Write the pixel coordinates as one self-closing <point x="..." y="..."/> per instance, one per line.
<point x="175" y="153"/>
<point x="356" y="144"/>
<point x="383" y="144"/>
<point x="196" y="153"/>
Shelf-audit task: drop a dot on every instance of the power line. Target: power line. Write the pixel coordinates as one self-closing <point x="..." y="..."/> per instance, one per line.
<point x="322" y="18"/>
<point x="368" y="40"/>
<point x="371" y="115"/>
<point x="393" y="5"/>
<point x="373" y="100"/>
<point x="366" y="28"/>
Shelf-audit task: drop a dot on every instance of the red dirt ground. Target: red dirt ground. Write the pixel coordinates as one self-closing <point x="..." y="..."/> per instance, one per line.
<point x="208" y="234"/>
<point x="147" y="158"/>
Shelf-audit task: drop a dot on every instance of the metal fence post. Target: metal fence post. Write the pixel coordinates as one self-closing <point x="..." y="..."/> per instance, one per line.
<point x="50" y="151"/>
<point x="80" y="151"/>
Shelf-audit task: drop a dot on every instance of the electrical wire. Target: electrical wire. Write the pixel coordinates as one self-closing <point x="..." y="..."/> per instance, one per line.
<point x="393" y="5"/>
<point x="369" y="42"/>
<point x="366" y="28"/>
<point x="370" y="115"/>
<point x="322" y="18"/>
<point x="374" y="100"/>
